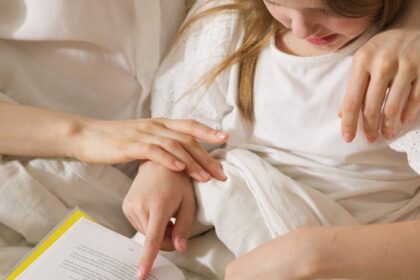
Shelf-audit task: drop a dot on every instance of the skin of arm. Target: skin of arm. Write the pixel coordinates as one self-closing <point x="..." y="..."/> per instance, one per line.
<point x="374" y="252"/>
<point x="157" y="195"/>
<point x="388" y="251"/>
<point x="27" y="131"/>
<point x="36" y="132"/>
<point x="389" y="59"/>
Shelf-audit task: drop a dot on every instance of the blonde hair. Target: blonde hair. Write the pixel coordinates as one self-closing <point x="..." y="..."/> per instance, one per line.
<point x="259" y="27"/>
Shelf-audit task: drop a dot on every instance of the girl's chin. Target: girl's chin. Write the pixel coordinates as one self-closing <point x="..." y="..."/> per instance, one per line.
<point x="333" y="47"/>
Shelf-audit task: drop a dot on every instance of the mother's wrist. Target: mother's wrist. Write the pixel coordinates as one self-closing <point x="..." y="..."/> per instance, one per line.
<point x="70" y="136"/>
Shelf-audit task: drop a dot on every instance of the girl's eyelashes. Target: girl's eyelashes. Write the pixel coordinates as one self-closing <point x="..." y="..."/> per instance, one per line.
<point x="326" y="12"/>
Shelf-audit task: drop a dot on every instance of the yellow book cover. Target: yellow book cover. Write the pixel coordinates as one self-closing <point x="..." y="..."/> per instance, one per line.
<point x="80" y="249"/>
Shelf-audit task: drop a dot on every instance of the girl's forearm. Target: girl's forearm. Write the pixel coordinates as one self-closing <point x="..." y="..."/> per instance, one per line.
<point x="383" y="252"/>
<point x="28" y="131"/>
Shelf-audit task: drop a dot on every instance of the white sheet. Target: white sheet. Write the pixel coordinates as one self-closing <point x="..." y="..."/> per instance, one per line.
<point x="94" y="58"/>
<point x="256" y="204"/>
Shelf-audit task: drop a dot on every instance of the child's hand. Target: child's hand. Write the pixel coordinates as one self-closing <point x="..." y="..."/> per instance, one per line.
<point x="157" y="195"/>
<point x="389" y="60"/>
<point x="172" y="143"/>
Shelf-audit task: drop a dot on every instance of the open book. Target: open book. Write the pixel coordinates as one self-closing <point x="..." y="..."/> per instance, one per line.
<point x="80" y="249"/>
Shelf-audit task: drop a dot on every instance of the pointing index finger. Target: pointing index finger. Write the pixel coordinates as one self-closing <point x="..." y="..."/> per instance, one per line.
<point x="154" y="236"/>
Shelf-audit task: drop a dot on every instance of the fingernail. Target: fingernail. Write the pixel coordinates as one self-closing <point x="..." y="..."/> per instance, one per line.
<point x="182" y="244"/>
<point x="221" y="173"/>
<point x="197" y="176"/>
<point x="221" y="134"/>
<point x="408" y="121"/>
<point x="204" y="175"/>
<point x="348" y="137"/>
<point x="140" y="273"/>
<point x="389" y="135"/>
<point x="179" y="164"/>
<point x="371" y="138"/>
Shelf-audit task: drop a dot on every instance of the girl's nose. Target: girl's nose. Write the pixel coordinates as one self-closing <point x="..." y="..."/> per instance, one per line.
<point x="302" y="27"/>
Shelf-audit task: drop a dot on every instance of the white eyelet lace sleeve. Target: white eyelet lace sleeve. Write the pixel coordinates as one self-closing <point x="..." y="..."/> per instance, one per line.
<point x="204" y="46"/>
<point x="409" y="143"/>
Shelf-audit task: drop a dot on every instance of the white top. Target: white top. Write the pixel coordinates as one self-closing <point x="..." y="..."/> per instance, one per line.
<point x="91" y="57"/>
<point x="297" y="129"/>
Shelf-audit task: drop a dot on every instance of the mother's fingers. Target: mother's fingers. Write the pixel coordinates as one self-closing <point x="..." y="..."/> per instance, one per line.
<point x="210" y="164"/>
<point x="199" y="161"/>
<point x="413" y="103"/>
<point x="396" y="100"/>
<point x="177" y="149"/>
<point x="184" y="219"/>
<point x="353" y="101"/>
<point x="372" y="106"/>
<point x="196" y="129"/>
<point x="145" y="150"/>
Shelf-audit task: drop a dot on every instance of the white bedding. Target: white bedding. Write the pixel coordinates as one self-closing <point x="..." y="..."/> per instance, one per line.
<point x="273" y="189"/>
<point x="36" y="194"/>
<point x="56" y="54"/>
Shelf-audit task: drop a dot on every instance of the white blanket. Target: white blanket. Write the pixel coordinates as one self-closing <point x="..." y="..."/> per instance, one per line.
<point x="37" y="194"/>
<point x="273" y="190"/>
<point x="256" y="204"/>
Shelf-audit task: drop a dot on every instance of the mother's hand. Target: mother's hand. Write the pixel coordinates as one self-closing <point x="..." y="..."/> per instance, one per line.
<point x="389" y="61"/>
<point x="172" y="143"/>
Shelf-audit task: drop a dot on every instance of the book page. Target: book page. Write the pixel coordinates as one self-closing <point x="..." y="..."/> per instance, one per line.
<point x="88" y="251"/>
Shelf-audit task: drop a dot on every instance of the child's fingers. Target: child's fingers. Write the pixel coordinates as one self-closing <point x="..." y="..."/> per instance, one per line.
<point x="152" y="242"/>
<point x="166" y="243"/>
<point x="182" y="228"/>
<point x="395" y="102"/>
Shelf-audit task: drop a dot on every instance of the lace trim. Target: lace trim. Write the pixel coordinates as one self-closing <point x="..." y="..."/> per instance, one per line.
<point x="409" y="143"/>
<point x="205" y="45"/>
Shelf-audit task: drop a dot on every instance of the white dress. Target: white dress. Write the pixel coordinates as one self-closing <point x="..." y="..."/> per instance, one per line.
<point x="295" y="141"/>
<point x="296" y="129"/>
<point x="95" y="58"/>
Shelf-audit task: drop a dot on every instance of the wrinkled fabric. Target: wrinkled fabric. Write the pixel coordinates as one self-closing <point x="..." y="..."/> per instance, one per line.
<point x="291" y="168"/>
<point x="94" y="58"/>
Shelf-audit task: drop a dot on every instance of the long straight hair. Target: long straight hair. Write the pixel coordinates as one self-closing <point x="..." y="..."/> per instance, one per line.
<point x="259" y="27"/>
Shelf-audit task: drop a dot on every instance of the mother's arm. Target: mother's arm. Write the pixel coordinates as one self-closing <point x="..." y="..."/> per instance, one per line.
<point x="390" y="251"/>
<point x="391" y="58"/>
<point x="36" y="132"/>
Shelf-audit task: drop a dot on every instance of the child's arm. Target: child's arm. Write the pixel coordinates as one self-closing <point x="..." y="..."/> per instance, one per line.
<point x="382" y="252"/>
<point x="390" y="58"/>
<point x="157" y="195"/>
